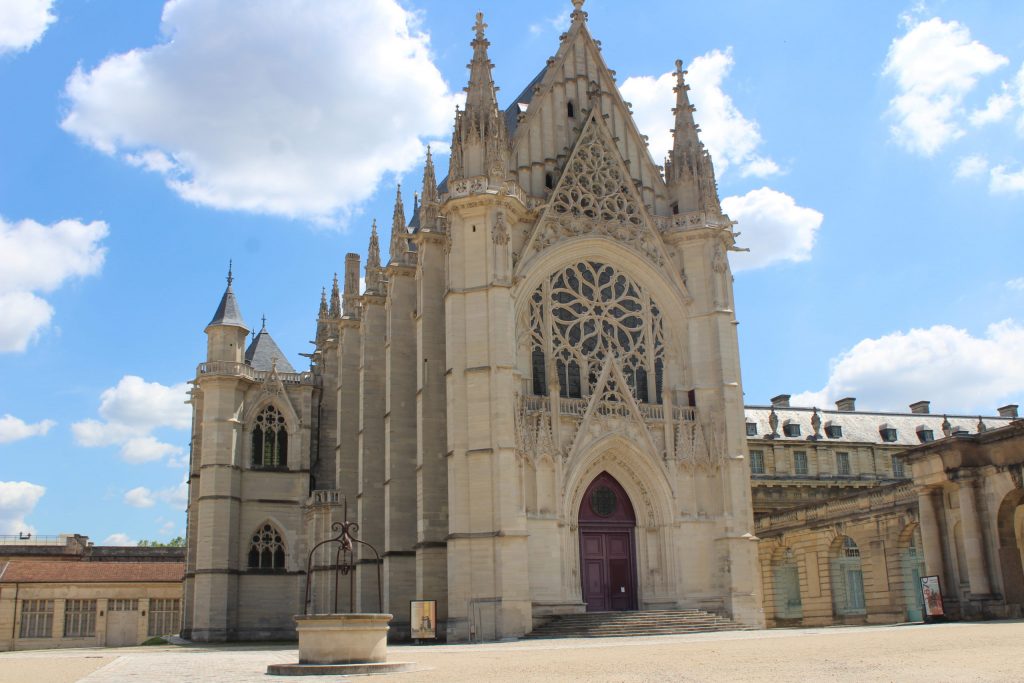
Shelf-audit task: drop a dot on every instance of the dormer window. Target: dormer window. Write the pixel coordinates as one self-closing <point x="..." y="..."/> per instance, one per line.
<point x="887" y="433"/>
<point x="924" y="435"/>
<point x="751" y="429"/>
<point x="791" y="428"/>
<point x="834" y="431"/>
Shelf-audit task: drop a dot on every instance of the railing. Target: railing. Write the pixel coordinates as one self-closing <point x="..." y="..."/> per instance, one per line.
<point x="480" y="185"/>
<point x="690" y="221"/>
<point x="535" y="403"/>
<point x="875" y="499"/>
<point x="33" y="539"/>
<point x="233" y="369"/>
<point x="325" y="496"/>
<point x="577" y="407"/>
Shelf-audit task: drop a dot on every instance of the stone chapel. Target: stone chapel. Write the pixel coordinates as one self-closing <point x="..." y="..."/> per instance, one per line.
<point x="534" y="408"/>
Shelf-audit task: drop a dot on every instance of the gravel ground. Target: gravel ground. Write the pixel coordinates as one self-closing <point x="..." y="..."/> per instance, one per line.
<point x="990" y="651"/>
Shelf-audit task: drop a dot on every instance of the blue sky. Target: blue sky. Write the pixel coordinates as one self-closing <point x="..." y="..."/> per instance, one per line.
<point x="872" y="153"/>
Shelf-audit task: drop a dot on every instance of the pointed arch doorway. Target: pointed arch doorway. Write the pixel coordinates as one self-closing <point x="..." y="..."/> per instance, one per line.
<point x="607" y="527"/>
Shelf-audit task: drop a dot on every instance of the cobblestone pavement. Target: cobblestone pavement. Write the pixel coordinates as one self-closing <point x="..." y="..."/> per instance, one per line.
<point x="988" y="651"/>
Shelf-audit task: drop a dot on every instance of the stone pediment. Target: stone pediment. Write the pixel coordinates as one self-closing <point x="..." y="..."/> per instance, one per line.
<point x="596" y="197"/>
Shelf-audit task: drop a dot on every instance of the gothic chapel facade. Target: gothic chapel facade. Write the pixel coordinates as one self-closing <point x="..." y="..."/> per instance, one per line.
<point x="534" y="407"/>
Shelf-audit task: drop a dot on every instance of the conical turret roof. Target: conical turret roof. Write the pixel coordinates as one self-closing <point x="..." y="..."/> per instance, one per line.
<point x="264" y="351"/>
<point x="228" y="312"/>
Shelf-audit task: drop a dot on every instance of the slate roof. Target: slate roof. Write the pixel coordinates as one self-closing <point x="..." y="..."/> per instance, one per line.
<point x="49" y="571"/>
<point x="228" y="312"/>
<point x="263" y="350"/>
<point x="863" y="427"/>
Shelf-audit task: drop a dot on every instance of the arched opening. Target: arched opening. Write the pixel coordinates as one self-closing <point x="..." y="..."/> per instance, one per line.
<point x="912" y="559"/>
<point x="786" y="577"/>
<point x="607" y="526"/>
<point x="1010" y="526"/>
<point x="847" y="579"/>
<point x="266" y="549"/>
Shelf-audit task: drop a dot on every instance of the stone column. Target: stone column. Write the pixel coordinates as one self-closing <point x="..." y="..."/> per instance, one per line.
<point x="930" y="536"/>
<point x="371" y="447"/>
<point x="974" y="542"/>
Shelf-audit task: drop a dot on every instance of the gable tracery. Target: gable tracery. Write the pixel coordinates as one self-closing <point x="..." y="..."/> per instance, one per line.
<point x="596" y="197"/>
<point x="585" y="314"/>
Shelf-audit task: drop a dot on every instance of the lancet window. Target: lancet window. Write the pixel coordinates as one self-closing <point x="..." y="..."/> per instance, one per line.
<point x="266" y="551"/>
<point x="584" y="315"/>
<point x="269" y="440"/>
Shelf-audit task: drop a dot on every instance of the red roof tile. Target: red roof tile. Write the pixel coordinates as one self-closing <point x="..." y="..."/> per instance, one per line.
<point x="48" y="571"/>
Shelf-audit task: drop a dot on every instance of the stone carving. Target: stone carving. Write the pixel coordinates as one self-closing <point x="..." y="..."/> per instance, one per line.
<point x="500" y="233"/>
<point x="816" y="425"/>
<point x="947" y="428"/>
<point x="697" y="444"/>
<point x="595" y="196"/>
<point x="773" y="422"/>
<point x="590" y="312"/>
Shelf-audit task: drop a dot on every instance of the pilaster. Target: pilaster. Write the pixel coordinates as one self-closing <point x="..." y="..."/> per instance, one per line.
<point x="373" y="390"/>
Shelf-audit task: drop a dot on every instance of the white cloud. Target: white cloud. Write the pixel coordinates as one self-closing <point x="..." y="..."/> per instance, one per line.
<point x="946" y="365"/>
<point x="773" y="227"/>
<point x="558" y="23"/>
<point x="23" y="23"/>
<point x="175" y="496"/>
<point x="139" y="497"/>
<point x="15" y="429"/>
<point x="131" y="411"/>
<point x="17" y="500"/>
<point x="118" y="539"/>
<point x="996" y="108"/>
<point x="38" y="258"/>
<point x="295" y="109"/>
<point x="1002" y="181"/>
<point x="1016" y="284"/>
<point x="972" y="166"/>
<point x="731" y="138"/>
<point x="935" y="65"/>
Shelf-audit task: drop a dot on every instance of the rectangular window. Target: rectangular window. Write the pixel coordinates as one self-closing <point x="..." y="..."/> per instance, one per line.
<point x="122" y="605"/>
<point x="36" y="619"/>
<point x="540" y="382"/>
<point x="751" y="429"/>
<point x="897" y="468"/>
<point x="756" y="462"/>
<point x="80" y="618"/>
<point x="164" y="616"/>
<point x="800" y="463"/>
<point x="843" y="464"/>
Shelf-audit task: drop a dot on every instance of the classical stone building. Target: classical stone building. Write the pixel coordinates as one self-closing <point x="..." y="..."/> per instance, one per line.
<point x="66" y="592"/>
<point x="851" y="513"/>
<point x="534" y="407"/>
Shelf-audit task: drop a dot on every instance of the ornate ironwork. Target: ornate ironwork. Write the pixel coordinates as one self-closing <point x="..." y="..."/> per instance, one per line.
<point x="345" y="564"/>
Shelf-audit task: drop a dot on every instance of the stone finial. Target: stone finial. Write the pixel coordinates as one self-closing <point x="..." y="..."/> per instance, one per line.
<point x="373" y="270"/>
<point x="399" y="235"/>
<point x="982" y="427"/>
<point x="816" y="424"/>
<point x="947" y="428"/>
<point x="323" y="312"/>
<point x="335" y="309"/>
<point x="773" y="422"/>
<point x="578" y="15"/>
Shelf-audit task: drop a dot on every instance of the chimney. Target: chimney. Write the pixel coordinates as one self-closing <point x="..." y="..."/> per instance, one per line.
<point x="1009" y="411"/>
<point x="846" y="405"/>
<point x="781" y="401"/>
<point x="920" y="408"/>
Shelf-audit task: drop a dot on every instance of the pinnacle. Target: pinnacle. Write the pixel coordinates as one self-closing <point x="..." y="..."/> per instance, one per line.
<point x="480" y="93"/>
<point x="398" y="232"/>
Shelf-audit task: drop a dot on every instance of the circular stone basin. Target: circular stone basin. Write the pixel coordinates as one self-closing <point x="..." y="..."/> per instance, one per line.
<point x="342" y="638"/>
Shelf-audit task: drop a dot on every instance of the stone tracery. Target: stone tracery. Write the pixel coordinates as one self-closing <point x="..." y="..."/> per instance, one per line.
<point x="586" y="314"/>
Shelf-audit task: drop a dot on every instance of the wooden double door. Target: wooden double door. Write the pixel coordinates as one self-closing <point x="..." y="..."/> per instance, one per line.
<point x="607" y="547"/>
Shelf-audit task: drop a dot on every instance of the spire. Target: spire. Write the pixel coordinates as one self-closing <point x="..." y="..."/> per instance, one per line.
<point x="323" y="312"/>
<point x="227" y="311"/>
<point x="335" y="310"/>
<point x="689" y="168"/>
<point x="373" y="270"/>
<point x="480" y="93"/>
<point x="429" y="208"/>
<point x="399" y="235"/>
<point x="479" y="141"/>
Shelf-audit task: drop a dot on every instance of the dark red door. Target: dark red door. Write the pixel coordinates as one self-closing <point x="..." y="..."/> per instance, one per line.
<point x="607" y="557"/>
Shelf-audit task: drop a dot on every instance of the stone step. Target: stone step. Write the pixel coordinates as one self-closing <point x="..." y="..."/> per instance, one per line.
<point x="640" y="623"/>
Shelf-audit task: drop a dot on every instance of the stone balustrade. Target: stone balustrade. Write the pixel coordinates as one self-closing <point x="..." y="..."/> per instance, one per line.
<point x="233" y="369"/>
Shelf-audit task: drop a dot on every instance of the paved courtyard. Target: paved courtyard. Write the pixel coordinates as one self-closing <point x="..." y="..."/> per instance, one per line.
<point x="989" y="651"/>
